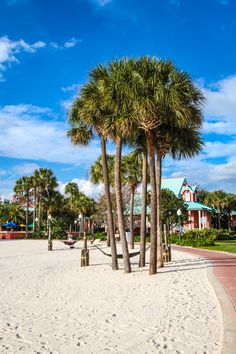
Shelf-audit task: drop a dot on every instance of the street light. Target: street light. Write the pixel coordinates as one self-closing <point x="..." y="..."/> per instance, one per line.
<point x="75" y="222"/>
<point x="179" y="213"/>
<point x="84" y="251"/>
<point x="35" y="222"/>
<point x="49" y="233"/>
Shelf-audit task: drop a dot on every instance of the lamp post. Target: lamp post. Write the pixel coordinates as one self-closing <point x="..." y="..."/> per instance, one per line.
<point x="84" y="251"/>
<point x="179" y="213"/>
<point x="75" y="222"/>
<point x="49" y="233"/>
<point x="36" y="221"/>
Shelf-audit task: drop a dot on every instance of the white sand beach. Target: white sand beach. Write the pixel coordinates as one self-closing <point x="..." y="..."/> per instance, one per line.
<point x="49" y="304"/>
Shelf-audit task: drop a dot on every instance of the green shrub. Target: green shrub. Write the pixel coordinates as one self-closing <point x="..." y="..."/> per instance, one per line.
<point x="225" y="234"/>
<point x="38" y="235"/>
<point x="137" y="238"/>
<point x="101" y="235"/>
<point x="197" y="238"/>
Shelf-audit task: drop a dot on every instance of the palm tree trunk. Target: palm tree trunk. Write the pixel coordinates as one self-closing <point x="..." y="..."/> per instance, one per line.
<point x="160" y="262"/>
<point x="110" y="222"/>
<point x="119" y="202"/>
<point x="108" y="233"/>
<point x="27" y="216"/>
<point x="39" y="213"/>
<point x="131" y="218"/>
<point x="144" y="212"/>
<point x="153" y="231"/>
<point x="219" y="217"/>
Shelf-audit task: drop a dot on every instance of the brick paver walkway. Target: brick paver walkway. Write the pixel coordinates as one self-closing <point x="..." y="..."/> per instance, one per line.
<point x="224" y="265"/>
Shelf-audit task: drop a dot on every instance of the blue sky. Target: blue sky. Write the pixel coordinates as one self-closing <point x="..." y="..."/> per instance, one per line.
<point x="47" y="50"/>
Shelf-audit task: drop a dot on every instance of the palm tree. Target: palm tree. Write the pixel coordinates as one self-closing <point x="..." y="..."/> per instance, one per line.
<point x="13" y="212"/>
<point x="71" y="190"/>
<point x="22" y="190"/>
<point x="217" y="200"/>
<point x="119" y="125"/>
<point x="178" y="142"/>
<point x="132" y="169"/>
<point x="87" y="111"/>
<point x="165" y="96"/>
<point x="139" y="143"/>
<point x="96" y="177"/>
<point x="45" y="182"/>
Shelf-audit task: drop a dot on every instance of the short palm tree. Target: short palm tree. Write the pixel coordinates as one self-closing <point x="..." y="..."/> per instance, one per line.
<point x="179" y="143"/>
<point x="96" y="177"/>
<point x="132" y="171"/>
<point x="45" y="181"/>
<point x="22" y="189"/>
<point x="71" y="190"/>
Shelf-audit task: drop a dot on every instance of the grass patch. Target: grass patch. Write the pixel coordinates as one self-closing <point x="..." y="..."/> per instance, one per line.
<point x="224" y="246"/>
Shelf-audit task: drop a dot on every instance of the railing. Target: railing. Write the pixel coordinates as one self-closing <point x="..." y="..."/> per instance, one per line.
<point x="11" y="235"/>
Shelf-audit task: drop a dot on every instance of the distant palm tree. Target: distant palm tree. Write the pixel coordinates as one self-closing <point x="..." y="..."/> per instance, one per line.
<point x="132" y="170"/>
<point x="96" y="177"/>
<point x="22" y="189"/>
<point x="217" y="200"/>
<point x="179" y="143"/>
<point x="71" y="190"/>
<point x="45" y="181"/>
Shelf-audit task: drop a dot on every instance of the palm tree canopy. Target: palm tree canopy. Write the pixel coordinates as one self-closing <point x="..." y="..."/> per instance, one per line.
<point x="96" y="170"/>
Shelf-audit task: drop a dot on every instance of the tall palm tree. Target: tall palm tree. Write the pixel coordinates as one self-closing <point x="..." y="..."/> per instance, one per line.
<point x="22" y="190"/>
<point x="119" y="125"/>
<point x="132" y="169"/>
<point x="88" y="110"/>
<point x="165" y="95"/>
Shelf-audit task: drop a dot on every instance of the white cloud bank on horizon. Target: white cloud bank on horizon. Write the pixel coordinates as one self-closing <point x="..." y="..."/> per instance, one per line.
<point x="85" y="186"/>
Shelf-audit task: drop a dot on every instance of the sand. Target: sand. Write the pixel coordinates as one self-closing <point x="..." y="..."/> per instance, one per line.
<point x="49" y="304"/>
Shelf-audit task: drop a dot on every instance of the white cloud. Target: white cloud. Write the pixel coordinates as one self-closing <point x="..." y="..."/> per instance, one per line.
<point x="220" y="107"/>
<point x="33" y="133"/>
<point x="66" y="45"/>
<point x="9" y="51"/>
<point x="2" y="172"/>
<point x="66" y="104"/>
<point x="224" y="2"/>
<point x="204" y="172"/>
<point x="71" y="43"/>
<point x="176" y="2"/>
<point x="25" y="169"/>
<point x="70" y="88"/>
<point x="102" y="2"/>
<point x="85" y="186"/>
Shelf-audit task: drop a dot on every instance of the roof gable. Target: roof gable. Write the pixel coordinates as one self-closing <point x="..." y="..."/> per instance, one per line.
<point x="174" y="184"/>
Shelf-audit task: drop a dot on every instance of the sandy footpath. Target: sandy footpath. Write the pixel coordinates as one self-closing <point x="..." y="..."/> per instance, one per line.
<point x="48" y="304"/>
